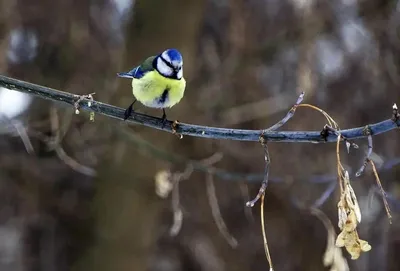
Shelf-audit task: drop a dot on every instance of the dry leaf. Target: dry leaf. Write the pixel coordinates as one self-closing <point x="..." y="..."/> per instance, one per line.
<point x="349" y="217"/>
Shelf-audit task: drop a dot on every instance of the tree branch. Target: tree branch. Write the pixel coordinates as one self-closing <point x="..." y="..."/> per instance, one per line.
<point x="189" y="129"/>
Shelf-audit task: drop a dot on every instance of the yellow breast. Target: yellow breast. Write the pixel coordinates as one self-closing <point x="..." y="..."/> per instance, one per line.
<point x="155" y="90"/>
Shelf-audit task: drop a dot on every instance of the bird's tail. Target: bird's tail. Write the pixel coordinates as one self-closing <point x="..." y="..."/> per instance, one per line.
<point x="129" y="74"/>
<point x="124" y="75"/>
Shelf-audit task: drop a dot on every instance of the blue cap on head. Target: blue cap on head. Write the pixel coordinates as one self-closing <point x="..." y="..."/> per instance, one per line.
<point x="172" y="56"/>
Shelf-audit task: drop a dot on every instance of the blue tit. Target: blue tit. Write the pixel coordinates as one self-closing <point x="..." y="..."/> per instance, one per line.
<point x="158" y="82"/>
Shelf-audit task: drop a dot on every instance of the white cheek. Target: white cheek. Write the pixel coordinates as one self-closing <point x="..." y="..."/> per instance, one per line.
<point x="180" y="74"/>
<point x="163" y="68"/>
<point x="166" y="57"/>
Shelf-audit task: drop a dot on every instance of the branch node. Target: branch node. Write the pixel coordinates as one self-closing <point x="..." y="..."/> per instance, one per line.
<point x="262" y="140"/>
<point x="395" y="114"/>
<point x="367" y="130"/>
<point x="327" y="129"/>
<point x="80" y="98"/>
<point x="325" y="133"/>
<point x="174" y="127"/>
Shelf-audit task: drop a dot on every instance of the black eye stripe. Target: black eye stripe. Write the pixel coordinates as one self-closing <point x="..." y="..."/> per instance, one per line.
<point x="166" y="62"/>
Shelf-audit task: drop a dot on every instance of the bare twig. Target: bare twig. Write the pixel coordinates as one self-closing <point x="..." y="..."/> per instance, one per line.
<point x="176" y="178"/>
<point x="244" y="189"/>
<point x="378" y="181"/>
<point x="216" y="213"/>
<point x="367" y="160"/>
<point x="56" y="145"/>
<point x="266" y="248"/>
<point x="367" y="157"/>
<point x="213" y="159"/>
<point x="330" y="120"/>
<point x="21" y="131"/>
<point x="288" y="116"/>
<point x="68" y="160"/>
<point x="327" y="193"/>
<point x="189" y="129"/>
<point x="395" y="114"/>
<point x="264" y="183"/>
<point x="177" y="211"/>
<point x="24" y="136"/>
<point x="166" y="182"/>
<point x="340" y="167"/>
<point x="175" y="200"/>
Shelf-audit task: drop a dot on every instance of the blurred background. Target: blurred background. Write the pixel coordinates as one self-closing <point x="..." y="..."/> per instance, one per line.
<point x="82" y="195"/>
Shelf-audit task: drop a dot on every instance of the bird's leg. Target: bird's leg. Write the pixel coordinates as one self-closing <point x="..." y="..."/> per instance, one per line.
<point x="129" y="110"/>
<point x="164" y="118"/>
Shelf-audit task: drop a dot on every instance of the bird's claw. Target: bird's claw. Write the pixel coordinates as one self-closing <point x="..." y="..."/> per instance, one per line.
<point x="128" y="112"/>
<point x="164" y="121"/>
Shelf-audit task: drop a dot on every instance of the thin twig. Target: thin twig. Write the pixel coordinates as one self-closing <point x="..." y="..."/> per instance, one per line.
<point x="378" y="181"/>
<point x="288" y="116"/>
<point x="264" y="183"/>
<point x="266" y="248"/>
<point x="367" y="157"/>
<point x="367" y="160"/>
<point x="56" y="145"/>
<point x="327" y="193"/>
<point x="72" y="163"/>
<point x="244" y="189"/>
<point x="21" y="131"/>
<point x="175" y="199"/>
<point x="395" y="114"/>
<point x="340" y="167"/>
<point x="189" y="129"/>
<point x="394" y="202"/>
<point x="216" y="213"/>
<point x="330" y="120"/>
<point x="177" y="211"/>
<point x="24" y="136"/>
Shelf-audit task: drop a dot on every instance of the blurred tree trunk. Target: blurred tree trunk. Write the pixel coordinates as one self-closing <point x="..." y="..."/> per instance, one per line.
<point x="126" y="213"/>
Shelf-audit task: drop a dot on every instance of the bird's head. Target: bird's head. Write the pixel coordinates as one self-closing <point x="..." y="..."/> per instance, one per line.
<point x="170" y="64"/>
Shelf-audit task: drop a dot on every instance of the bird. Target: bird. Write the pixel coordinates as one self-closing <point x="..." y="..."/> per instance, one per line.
<point x="158" y="82"/>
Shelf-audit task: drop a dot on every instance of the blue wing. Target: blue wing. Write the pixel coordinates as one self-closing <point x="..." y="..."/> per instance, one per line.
<point x="134" y="73"/>
<point x="139" y="71"/>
